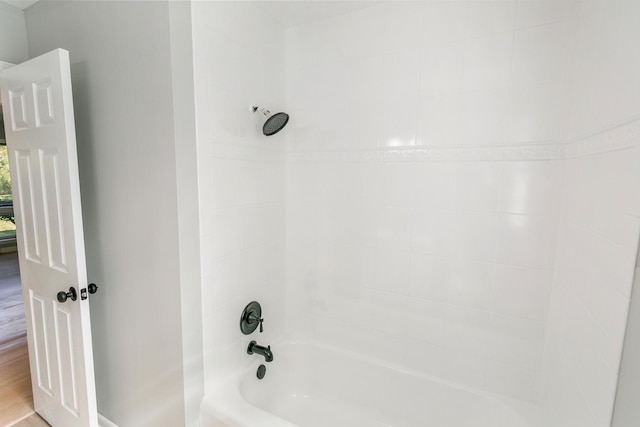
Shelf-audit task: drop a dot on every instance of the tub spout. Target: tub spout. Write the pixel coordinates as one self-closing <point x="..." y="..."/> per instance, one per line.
<point x="262" y="351"/>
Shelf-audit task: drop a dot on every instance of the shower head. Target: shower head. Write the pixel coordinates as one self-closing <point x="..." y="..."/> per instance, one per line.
<point x="273" y="122"/>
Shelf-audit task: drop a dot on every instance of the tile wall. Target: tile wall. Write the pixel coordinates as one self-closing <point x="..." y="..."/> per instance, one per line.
<point x="238" y="62"/>
<point x="424" y="178"/>
<point x="599" y="226"/>
<point x="597" y="246"/>
<point x="453" y="194"/>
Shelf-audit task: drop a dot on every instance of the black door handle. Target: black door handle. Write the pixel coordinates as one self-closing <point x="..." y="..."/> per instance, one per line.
<point x="62" y="295"/>
<point x="93" y="288"/>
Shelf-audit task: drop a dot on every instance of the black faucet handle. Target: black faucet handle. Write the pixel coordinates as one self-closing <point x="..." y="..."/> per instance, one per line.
<point x="254" y="318"/>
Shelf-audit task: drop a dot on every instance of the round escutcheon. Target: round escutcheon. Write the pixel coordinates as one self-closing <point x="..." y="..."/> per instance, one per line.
<point x="251" y="318"/>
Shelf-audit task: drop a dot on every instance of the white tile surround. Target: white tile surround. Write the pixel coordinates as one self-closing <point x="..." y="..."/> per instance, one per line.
<point x="454" y="192"/>
<point x="598" y="229"/>
<point x="422" y="214"/>
<point x="596" y="254"/>
<point x="241" y="178"/>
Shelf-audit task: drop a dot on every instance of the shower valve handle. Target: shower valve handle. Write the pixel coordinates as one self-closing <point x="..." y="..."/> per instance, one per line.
<point x="253" y="318"/>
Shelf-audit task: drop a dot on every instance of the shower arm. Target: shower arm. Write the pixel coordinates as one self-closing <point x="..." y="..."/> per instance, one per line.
<point x="264" y="111"/>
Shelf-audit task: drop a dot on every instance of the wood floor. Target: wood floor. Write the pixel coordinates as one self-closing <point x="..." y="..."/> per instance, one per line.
<point x="16" y="400"/>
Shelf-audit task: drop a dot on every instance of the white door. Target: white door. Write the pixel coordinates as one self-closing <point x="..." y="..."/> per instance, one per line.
<point x="40" y="132"/>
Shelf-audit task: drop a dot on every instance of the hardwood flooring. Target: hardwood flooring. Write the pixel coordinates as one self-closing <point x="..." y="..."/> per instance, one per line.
<point x="16" y="399"/>
<point x="33" y="420"/>
<point x="12" y="322"/>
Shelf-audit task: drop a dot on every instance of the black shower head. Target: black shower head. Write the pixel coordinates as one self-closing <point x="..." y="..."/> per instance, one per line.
<point x="274" y="122"/>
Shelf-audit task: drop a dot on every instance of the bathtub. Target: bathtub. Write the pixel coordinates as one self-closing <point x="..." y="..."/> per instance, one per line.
<point x="313" y="385"/>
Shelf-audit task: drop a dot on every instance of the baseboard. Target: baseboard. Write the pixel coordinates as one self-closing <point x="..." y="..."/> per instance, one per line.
<point x="104" y="422"/>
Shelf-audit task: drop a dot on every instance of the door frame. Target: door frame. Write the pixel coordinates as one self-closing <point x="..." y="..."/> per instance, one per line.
<point x="4" y="66"/>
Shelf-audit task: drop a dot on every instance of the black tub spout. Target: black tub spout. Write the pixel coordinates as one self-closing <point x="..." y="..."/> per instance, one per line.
<point x="262" y="351"/>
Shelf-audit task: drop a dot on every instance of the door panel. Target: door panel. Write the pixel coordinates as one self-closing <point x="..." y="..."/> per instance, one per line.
<point x="56" y="243"/>
<point x="46" y="191"/>
<point x="17" y="109"/>
<point x="43" y="102"/>
<point x="66" y="366"/>
<point x="41" y="344"/>
<point x="23" y="179"/>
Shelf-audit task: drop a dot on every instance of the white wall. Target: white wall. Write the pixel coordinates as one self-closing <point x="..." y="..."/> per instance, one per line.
<point x="598" y="240"/>
<point x="133" y="151"/>
<point x="239" y="61"/>
<point x="627" y="411"/>
<point x="183" y="92"/>
<point x="424" y="181"/>
<point x="599" y="226"/>
<point x="13" y="34"/>
<point x="415" y="210"/>
<point x="605" y="89"/>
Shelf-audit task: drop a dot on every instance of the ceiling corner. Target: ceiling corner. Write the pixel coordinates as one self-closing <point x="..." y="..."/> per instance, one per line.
<point x="20" y="4"/>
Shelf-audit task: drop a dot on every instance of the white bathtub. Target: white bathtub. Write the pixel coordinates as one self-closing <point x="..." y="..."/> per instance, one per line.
<point x="312" y="385"/>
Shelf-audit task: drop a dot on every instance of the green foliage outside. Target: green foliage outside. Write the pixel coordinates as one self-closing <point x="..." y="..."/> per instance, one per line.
<point x="7" y="229"/>
<point x="7" y="222"/>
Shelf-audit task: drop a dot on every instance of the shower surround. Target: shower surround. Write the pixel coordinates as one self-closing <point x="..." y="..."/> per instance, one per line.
<point x="454" y="193"/>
